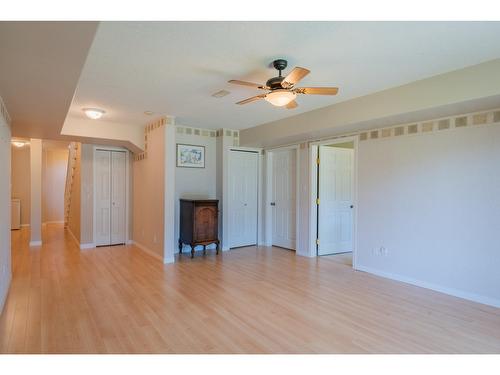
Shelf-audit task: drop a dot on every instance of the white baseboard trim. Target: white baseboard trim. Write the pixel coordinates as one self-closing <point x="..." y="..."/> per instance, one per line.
<point x="147" y="251"/>
<point x="305" y="255"/>
<point x="5" y="293"/>
<point x="73" y="236"/>
<point x="35" y="243"/>
<point x="130" y="242"/>
<point x="169" y="260"/>
<point x="438" y="288"/>
<point x="84" y="246"/>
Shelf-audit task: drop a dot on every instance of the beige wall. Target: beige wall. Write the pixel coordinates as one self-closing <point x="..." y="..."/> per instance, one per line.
<point x="87" y="194"/>
<point x="5" y="257"/>
<point x="74" y="211"/>
<point x="431" y="201"/>
<point x="55" y="164"/>
<point x="36" y="191"/>
<point x="20" y="166"/>
<point x="148" y="195"/>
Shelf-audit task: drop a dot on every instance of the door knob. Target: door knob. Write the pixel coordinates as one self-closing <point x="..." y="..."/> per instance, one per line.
<point x="273" y="203"/>
<point x="352" y="206"/>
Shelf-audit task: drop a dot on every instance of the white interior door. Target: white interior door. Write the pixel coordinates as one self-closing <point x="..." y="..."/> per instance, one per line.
<point x="283" y="198"/>
<point x="118" y="197"/>
<point x="243" y="194"/>
<point x="335" y="191"/>
<point x="102" y="183"/>
<point x="110" y="197"/>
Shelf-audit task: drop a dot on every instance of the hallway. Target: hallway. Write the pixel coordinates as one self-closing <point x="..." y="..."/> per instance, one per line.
<point x="250" y="300"/>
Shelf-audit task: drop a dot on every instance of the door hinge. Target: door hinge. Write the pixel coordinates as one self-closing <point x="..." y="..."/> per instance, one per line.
<point x="317" y="201"/>
<point x="317" y="160"/>
<point x="317" y="241"/>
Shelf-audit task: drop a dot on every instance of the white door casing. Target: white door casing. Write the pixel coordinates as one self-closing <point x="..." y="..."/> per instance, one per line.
<point x="335" y="192"/>
<point x="243" y="197"/>
<point x="110" y="197"/>
<point x="283" y="198"/>
<point x="118" y="197"/>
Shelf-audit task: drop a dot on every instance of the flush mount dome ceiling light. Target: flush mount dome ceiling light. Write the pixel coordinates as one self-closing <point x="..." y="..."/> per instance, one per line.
<point x="282" y="90"/>
<point x="19" y="144"/>
<point x="94" y="113"/>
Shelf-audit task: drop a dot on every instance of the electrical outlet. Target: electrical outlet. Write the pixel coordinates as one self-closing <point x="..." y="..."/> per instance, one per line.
<point x="380" y="251"/>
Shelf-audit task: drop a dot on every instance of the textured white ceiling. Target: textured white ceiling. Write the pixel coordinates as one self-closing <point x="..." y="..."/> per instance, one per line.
<point x="172" y="68"/>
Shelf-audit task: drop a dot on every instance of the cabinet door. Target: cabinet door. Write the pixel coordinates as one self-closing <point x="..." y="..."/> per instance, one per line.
<point x="205" y="227"/>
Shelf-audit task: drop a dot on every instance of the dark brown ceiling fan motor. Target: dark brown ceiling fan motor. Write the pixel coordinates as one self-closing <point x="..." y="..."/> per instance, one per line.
<point x="281" y="89"/>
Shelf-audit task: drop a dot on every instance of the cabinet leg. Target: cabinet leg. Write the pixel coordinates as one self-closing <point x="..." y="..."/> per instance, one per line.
<point x="192" y="251"/>
<point x="180" y="247"/>
<point x="204" y="249"/>
<point x="217" y="247"/>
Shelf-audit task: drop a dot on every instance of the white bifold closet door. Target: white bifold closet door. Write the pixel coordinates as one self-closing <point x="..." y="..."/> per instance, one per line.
<point x="243" y="193"/>
<point x="110" y="197"/>
<point x="335" y="190"/>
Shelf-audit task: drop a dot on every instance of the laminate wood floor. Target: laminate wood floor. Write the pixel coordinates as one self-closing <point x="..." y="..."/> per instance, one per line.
<point x="250" y="300"/>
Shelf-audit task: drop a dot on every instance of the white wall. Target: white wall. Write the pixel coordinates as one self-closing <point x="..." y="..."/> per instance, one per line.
<point x="196" y="182"/>
<point x="433" y="201"/>
<point x="5" y="256"/>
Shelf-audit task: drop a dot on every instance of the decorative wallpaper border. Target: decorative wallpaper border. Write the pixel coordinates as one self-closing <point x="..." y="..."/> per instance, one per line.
<point x="195" y="131"/>
<point x="148" y="129"/>
<point x="180" y="129"/>
<point x="436" y="125"/>
<point x="4" y="113"/>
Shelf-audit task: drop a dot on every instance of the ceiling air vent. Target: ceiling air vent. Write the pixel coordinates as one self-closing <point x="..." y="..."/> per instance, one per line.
<point x="220" y="94"/>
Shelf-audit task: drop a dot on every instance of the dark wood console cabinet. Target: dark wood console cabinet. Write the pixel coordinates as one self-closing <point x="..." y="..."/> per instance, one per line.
<point x="199" y="223"/>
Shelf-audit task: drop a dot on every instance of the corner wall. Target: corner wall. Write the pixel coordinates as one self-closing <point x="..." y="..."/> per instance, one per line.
<point x="74" y="208"/>
<point x="148" y="194"/>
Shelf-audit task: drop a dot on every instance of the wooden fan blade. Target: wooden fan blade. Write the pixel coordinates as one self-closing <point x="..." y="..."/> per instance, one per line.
<point x="245" y="83"/>
<point x="252" y="99"/>
<point x="293" y="104"/>
<point x="294" y="76"/>
<point x="317" y="90"/>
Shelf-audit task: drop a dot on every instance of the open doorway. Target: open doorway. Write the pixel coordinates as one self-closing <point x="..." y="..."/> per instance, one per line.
<point x="334" y="196"/>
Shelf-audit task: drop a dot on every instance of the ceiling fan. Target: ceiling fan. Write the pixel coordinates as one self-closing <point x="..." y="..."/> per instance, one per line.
<point x="281" y="89"/>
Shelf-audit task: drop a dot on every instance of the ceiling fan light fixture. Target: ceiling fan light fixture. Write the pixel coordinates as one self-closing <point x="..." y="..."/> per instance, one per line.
<point x="94" y="113"/>
<point x="280" y="97"/>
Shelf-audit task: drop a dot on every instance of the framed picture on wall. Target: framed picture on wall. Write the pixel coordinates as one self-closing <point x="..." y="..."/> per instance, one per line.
<point x="190" y="156"/>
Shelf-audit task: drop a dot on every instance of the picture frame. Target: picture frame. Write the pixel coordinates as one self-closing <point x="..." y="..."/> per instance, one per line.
<point x="190" y="156"/>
